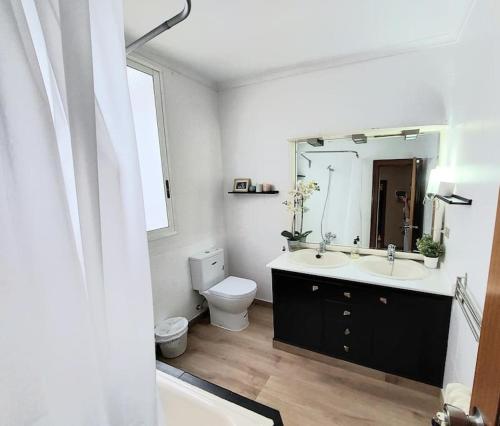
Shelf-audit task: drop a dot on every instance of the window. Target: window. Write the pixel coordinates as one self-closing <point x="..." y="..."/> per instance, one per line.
<point x="146" y="99"/>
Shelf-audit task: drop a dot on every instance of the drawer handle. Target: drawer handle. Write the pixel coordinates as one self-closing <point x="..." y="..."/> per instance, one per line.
<point x="315" y="288"/>
<point x="347" y="332"/>
<point x="347" y="313"/>
<point x="347" y="294"/>
<point x="346" y="348"/>
<point x="383" y="300"/>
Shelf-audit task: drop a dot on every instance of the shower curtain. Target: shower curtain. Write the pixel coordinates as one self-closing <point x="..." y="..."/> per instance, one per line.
<point x="352" y="218"/>
<point x="76" y="322"/>
<point x="343" y="210"/>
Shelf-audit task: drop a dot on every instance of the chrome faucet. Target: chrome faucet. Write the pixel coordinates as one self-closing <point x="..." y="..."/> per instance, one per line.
<point x="391" y="252"/>
<point x="321" y="248"/>
<point x="327" y="239"/>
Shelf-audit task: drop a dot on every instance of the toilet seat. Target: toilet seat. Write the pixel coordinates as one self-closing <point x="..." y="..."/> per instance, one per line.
<point x="234" y="288"/>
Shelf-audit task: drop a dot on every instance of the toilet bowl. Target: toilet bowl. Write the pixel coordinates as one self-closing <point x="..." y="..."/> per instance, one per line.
<point x="228" y="297"/>
<point x="228" y="302"/>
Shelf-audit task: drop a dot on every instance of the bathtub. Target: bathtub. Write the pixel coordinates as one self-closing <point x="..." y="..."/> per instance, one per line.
<point x="182" y="404"/>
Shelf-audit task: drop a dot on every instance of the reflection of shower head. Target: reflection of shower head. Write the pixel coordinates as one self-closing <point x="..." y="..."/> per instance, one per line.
<point x="330" y="168"/>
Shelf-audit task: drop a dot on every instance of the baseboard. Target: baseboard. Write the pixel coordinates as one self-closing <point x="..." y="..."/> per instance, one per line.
<point x="198" y="318"/>
<point x="359" y="369"/>
<point x="263" y="303"/>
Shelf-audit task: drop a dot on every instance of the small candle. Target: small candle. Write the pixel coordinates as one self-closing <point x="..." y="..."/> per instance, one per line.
<point x="267" y="187"/>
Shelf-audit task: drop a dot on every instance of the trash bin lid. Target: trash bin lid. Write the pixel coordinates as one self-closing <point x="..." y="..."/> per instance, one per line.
<point x="171" y="329"/>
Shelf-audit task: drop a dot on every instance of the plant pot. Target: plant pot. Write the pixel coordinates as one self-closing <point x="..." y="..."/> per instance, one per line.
<point x="431" y="262"/>
<point x="294" y="245"/>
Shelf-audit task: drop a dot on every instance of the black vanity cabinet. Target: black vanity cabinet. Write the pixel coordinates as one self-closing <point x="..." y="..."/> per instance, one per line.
<point x="396" y="331"/>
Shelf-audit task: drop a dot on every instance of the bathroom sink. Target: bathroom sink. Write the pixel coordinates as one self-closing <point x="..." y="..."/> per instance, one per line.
<point x="329" y="259"/>
<point x="403" y="269"/>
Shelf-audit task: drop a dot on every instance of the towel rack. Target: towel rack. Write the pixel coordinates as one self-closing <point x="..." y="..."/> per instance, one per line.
<point x="469" y="308"/>
<point x="169" y="23"/>
<point x="455" y="199"/>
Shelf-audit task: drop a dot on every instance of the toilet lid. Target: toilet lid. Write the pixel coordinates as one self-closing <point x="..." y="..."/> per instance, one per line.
<point x="234" y="287"/>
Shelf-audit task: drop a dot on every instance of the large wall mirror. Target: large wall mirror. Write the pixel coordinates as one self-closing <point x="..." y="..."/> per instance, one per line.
<point x="371" y="186"/>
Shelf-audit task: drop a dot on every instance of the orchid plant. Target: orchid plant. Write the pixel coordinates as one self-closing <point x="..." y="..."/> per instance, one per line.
<point x="296" y="207"/>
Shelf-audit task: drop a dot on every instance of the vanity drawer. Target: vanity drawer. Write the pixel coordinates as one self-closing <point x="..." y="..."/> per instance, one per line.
<point x="347" y="349"/>
<point x="344" y="293"/>
<point x="341" y="312"/>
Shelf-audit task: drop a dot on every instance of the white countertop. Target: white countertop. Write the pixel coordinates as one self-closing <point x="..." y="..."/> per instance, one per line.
<point x="436" y="281"/>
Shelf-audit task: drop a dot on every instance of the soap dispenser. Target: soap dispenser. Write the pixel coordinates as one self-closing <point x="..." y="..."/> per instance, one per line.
<point x="355" y="248"/>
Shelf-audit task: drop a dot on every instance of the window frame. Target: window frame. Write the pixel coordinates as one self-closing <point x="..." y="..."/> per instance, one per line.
<point x="156" y="73"/>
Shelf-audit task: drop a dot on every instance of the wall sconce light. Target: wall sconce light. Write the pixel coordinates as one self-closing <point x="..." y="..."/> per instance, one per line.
<point x="315" y="142"/>
<point x="410" y="135"/>
<point x="359" y="138"/>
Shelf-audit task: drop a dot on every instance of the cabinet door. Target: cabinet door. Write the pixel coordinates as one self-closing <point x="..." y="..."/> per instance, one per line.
<point x="397" y="333"/>
<point x="297" y="311"/>
<point x="435" y="323"/>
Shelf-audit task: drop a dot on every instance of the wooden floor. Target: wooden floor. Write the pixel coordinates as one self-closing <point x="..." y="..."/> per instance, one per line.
<point x="307" y="392"/>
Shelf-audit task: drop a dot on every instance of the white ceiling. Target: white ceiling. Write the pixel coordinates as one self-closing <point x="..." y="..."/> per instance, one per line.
<point x="229" y="40"/>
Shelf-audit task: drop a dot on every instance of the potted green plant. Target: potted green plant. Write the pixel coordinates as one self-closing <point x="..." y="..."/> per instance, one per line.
<point x="296" y="206"/>
<point x="431" y="250"/>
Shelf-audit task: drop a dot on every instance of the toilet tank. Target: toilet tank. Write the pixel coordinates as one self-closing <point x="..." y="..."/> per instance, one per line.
<point x="207" y="269"/>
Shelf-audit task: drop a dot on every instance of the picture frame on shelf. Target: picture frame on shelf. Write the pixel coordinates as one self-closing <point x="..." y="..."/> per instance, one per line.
<point x="241" y="184"/>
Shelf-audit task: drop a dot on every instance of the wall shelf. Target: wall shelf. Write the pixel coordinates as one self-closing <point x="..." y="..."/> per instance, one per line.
<point x="455" y="199"/>
<point x="254" y="193"/>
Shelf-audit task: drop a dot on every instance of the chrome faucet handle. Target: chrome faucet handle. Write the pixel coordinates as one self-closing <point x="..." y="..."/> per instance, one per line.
<point x="391" y="248"/>
<point x="329" y="236"/>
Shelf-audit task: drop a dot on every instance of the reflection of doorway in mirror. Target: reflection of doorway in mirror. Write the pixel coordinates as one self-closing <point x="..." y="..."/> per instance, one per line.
<point x="397" y="197"/>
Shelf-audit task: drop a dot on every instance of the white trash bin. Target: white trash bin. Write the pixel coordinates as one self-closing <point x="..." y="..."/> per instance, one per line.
<point x="171" y="335"/>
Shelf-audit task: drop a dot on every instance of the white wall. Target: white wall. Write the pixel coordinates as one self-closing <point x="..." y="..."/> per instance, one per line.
<point x="257" y="120"/>
<point x="196" y="185"/>
<point x="473" y="160"/>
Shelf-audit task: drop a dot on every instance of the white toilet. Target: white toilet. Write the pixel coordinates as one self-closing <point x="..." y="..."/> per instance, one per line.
<point x="228" y="298"/>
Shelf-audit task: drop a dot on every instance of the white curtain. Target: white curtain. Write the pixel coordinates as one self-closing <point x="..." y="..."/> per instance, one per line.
<point x="76" y="322"/>
<point x="352" y="219"/>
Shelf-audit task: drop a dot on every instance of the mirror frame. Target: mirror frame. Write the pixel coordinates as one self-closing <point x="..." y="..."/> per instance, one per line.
<point x="442" y="129"/>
